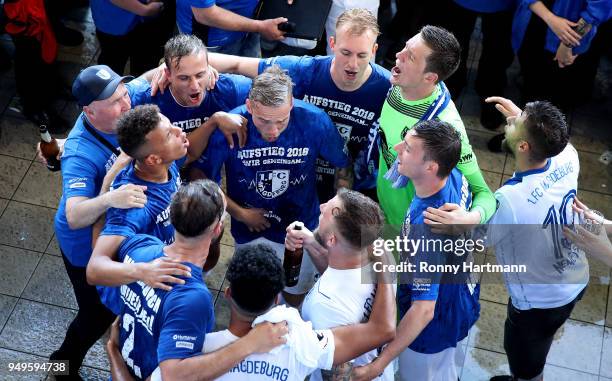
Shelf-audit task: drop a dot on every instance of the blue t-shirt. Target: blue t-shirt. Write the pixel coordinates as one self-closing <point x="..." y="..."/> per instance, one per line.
<point x="158" y="325"/>
<point x="84" y="164"/>
<point x="457" y="307"/>
<point x="216" y="36"/>
<point x="112" y="19"/>
<point x="154" y="218"/>
<point x="353" y="112"/>
<point x="279" y="176"/>
<point x="230" y="92"/>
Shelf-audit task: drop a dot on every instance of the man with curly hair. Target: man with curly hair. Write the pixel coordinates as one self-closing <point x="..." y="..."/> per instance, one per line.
<point x="168" y="328"/>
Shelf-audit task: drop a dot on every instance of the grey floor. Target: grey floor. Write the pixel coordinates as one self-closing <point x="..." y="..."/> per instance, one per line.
<point x="37" y="302"/>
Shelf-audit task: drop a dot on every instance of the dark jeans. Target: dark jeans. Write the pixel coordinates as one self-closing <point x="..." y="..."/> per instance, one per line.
<point x="529" y="334"/>
<point x="90" y="323"/>
<point x="496" y="55"/>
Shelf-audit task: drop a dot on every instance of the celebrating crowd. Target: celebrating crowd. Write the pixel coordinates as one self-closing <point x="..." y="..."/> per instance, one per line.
<point x="340" y="146"/>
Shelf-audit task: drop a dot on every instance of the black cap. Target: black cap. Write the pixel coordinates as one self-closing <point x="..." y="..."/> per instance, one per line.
<point x="96" y="83"/>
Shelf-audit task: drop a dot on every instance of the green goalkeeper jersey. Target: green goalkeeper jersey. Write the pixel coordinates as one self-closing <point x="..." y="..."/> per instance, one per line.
<point x="398" y="116"/>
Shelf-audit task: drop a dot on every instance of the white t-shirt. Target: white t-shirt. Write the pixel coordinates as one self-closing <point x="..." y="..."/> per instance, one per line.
<point x="341" y="297"/>
<point x="279" y="365"/>
<point x="538" y="202"/>
<point x="282" y="366"/>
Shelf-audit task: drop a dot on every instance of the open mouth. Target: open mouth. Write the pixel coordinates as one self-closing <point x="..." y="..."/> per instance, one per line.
<point x="350" y="74"/>
<point x="195" y="98"/>
<point x="395" y="71"/>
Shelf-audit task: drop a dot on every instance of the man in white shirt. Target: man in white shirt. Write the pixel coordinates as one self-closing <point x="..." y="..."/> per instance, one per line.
<point x="256" y="278"/>
<point x="533" y="206"/>
<point x="349" y="223"/>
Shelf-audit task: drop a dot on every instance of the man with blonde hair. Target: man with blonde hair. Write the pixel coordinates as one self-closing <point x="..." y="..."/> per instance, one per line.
<point x="347" y="86"/>
<point x="340" y="7"/>
<point x="271" y="180"/>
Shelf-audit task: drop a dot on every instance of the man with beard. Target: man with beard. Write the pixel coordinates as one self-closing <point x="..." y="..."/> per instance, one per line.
<point x="168" y="328"/>
<point x="348" y="224"/>
<point x="271" y="180"/>
<point x="533" y="205"/>
<point x="256" y="277"/>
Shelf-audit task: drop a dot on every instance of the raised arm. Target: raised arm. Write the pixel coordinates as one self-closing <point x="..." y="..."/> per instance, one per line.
<point x="227" y="123"/>
<point x="247" y="66"/>
<point x="305" y="238"/>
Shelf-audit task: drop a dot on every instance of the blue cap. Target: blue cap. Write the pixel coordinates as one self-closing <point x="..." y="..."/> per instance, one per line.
<point x="96" y="83"/>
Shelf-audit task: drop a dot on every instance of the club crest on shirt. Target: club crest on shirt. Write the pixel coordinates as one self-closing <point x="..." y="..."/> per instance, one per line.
<point x="271" y="184"/>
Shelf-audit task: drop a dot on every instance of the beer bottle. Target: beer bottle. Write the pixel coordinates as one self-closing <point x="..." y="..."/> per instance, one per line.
<point x="292" y="263"/>
<point x="49" y="149"/>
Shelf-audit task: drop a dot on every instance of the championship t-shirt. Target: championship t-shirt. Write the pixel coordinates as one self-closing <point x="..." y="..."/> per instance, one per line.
<point x="279" y="176"/>
<point x="230" y="92"/>
<point x="398" y="116"/>
<point x="353" y="112"/>
<point x="157" y="325"/>
<point x="457" y="307"/>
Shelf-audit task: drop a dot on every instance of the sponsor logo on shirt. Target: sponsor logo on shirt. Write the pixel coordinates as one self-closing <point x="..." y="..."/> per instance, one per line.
<point x="183" y="337"/>
<point x="184" y="344"/>
<point x="78" y="182"/>
<point x="77" y="185"/>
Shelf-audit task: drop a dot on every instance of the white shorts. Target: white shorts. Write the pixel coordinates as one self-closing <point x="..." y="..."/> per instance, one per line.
<point x="308" y="272"/>
<point x="441" y="366"/>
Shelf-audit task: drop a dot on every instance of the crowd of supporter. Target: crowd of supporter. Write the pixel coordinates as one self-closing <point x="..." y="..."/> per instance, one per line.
<point x="199" y="109"/>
